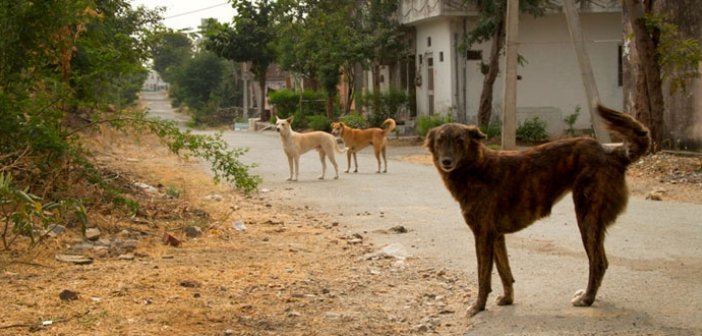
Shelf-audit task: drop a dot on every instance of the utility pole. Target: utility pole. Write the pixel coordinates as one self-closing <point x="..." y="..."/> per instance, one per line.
<point x="509" y="110"/>
<point x="593" y="97"/>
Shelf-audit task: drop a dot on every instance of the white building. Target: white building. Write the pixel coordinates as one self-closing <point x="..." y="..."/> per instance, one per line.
<point x="550" y="85"/>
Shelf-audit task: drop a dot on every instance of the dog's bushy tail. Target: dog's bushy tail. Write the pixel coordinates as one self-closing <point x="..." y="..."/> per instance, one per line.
<point x="388" y="126"/>
<point x="637" y="138"/>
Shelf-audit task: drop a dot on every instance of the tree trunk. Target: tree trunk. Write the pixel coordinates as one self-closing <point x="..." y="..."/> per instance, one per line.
<point x="375" y="69"/>
<point x="647" y="99"/>
<point x="265" y="115"/>
<point x="485" y="109"/>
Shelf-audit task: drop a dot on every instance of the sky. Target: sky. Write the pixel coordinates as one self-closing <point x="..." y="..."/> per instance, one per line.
<point x="182" y="14"/>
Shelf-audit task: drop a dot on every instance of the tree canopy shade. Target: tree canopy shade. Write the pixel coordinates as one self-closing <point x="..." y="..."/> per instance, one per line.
<point x="249" y="38"/>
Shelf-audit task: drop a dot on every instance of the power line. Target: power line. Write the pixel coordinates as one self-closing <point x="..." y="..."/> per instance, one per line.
<point x="195" y="11"/>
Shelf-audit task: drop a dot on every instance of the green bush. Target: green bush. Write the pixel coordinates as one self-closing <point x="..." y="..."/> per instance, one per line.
<point x="354" y="120"/>
<point x="287" y="102"/>
<point x="532" y="131"/>
<point x="425" y="123"/>
<point x="390" y="102"/>
<point x="570" y="121"/>
<point x="319" y="122"/>
<point x="493" y="129"/>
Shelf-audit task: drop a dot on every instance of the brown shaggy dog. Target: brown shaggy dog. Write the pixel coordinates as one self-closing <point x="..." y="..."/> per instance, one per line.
<point x="358" y="139"/>
<point x="503" y="192"/>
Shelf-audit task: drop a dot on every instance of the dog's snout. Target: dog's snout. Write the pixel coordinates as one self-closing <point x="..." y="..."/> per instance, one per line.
<point x="446" y="161"/>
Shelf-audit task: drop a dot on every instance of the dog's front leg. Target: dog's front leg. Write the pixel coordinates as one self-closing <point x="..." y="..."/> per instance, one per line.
<point x="502" y="263"/>
<point x="296" y="166"/>
<point x="290" y="164"/>
<point x="484" y="249"/>
<point x="348" y="160"/>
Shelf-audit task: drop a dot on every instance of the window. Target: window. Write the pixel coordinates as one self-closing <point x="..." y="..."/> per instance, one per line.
<point x="429" y="41"/>
<point x="441" y="56"/>
<point x="474" y="55"/>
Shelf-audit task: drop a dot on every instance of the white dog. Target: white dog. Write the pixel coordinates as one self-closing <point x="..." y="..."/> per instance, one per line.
<point x="296" y="144"/>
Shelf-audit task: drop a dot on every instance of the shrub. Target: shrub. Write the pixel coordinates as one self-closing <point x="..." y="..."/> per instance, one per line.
<point x="354" y="120"/>
<point x="493" y="129"/>
<point x="425" y="123"/>
<point x="390" y="102"/>
<point x="287" y="103"/>
<point x="532" y="131"/>
<point x="570" y="121"/>
<point x="319" y="122"/>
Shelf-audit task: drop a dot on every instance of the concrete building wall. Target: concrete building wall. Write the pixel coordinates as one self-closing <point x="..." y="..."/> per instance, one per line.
<point x="550" y="79"/>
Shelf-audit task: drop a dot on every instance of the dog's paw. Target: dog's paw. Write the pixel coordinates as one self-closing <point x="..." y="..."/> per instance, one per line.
<point x="320" y="178"/>
<point x="580" y="299"/>
<point x="474" y="309"/>
<point x="336" y="177"/>
<point x="504" y="300"/>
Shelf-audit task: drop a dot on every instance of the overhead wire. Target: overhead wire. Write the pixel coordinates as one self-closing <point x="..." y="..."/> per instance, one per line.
<point x="195" y="11"/>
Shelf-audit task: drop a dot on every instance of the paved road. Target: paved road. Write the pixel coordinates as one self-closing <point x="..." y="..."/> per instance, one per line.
<point x="653" y="285"/>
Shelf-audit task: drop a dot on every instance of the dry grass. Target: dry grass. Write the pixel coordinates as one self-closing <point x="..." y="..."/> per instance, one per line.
<point x="291" y="272"/>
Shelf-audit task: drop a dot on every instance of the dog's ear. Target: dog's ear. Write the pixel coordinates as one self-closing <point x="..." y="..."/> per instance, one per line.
<point x="429" y="140"/>
<point x="475" y="133"/>
<point x="290" y="119"/>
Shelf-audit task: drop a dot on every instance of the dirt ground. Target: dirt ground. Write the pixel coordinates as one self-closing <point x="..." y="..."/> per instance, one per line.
<point x="240" y="265"/>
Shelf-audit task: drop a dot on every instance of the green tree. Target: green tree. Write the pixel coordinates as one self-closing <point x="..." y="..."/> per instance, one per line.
<point x="169" y="51"/>
<point x="249" y="38"/>
<point x="659" y="53"/>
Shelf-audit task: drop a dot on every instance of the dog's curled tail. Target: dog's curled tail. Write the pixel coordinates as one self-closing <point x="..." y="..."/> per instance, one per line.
<point x="388" y="126"/>
<point x="637" y="138"/>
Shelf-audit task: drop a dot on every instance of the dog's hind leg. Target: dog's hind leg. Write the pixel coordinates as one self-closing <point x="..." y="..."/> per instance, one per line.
<point x="502" y="263"/>
<point x="385" y="159"/>
<point x="377" y="157"/>
<point x="332" y="159"/>
<point x="484" y="249"/>
<point x="355" y="162"/>
<point x="594" y="214"/>
<point x="324" y="164"/>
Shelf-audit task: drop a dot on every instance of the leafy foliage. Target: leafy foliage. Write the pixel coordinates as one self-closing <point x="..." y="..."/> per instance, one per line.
<point x="250" y="38"/>
<point x="354" y="120"/>
<point x="532" y="130"/>
<point x="319" y="122"/>
<point x="427" y="122"/>
<point x="570" y="121"/>
<point x="679" y="57"/>
<point x="383" y="105"/>
<point x="65" y="66"/>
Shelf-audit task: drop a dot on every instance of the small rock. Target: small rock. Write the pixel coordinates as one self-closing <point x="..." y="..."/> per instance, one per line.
<point x="68" y="295"/>
<point x="398" y="229"/>
<point x="228" y="332"/>
<point x="74" y="259"/>
<point x="189" y="283"/>
<point x="92" y="234"/>
<point x="171" y="240"/>
<point x="127" y="256"/>
<point x="193" y="231"/>
<point x="655" y="195"/>
<point x="214" y="198"/>
<point x="146" y="187"/>
<point x="239" y="226"/>
<point x="55" y="229"/>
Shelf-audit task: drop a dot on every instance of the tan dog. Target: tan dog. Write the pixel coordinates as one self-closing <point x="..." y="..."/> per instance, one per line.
<point x="296" y="144"/>
<point x="358" y="139"/>
<point x="503" y="192"/>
